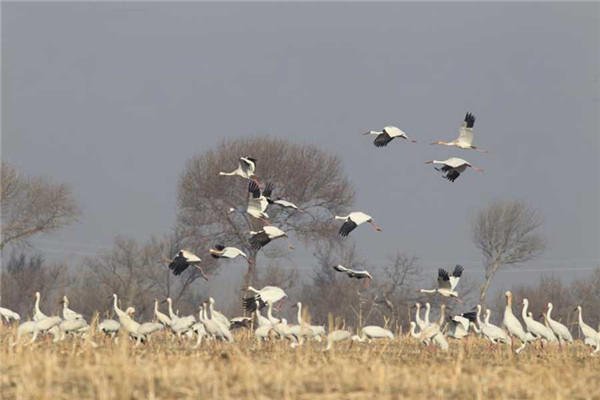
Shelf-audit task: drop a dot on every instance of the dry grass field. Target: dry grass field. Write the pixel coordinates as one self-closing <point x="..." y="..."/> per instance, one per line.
<point x="401" y="369"/>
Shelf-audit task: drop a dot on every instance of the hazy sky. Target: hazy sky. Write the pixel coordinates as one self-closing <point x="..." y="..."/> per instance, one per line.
<point x="114" y="97"/>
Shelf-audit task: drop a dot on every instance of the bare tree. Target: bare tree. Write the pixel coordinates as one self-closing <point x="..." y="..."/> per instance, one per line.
<point x="32" y="205"/>
<point x="303" y="174"/>
<point x="136" y="273"/>
<point x="22" y="275"/>
<point x="506" y="233"/>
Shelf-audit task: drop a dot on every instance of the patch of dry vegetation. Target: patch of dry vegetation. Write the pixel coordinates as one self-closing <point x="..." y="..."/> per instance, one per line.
<point x="164" y="369"/>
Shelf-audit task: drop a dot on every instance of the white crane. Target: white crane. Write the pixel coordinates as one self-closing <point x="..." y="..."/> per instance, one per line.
<point x="536" y="328"/>
<point x="261" y="321"/>
<point x="110" y="327"/>
<point x="355" y="274"/>
<point x="590" y="335"/>
<point x="217" y="316"/>
<point x="182" y="325"/>
<point x="453" y="167"/>
<point x="560" y="330"/>
<point x="45" y="325"/>
<point x="492" y="332"/>
<point x="9" y="315"/>
<point x="146" y="329"/>
<point x="73" y="326"/>
<point x="183" y="260"/>
<point x="273" y="294"/>
<point x="465" y="135"/>
<point x="388" y="134"/>
<point x="263" y="237"/>
<point x="304" y="330"/>
<point x="225" y="333"/>
<point x="427" y="311"/>
<point x="354" y="219"/>
<point x="172" y="315"/>
<point x="199" y="329"/>
<point x="513" y="325"/>
<point x="274" y="321"/>
<point x="160" y="317"/>
<point x="221" y="251"/>
<point x="268" y="193"/>
<point x="257" y="202"/>
<point x="447" y="283"/>
<point x="420" y="323"/>
<point x="459" y="324"/>
<point x="38" y="315"/>
<point x="338" y="335"/>
<point x="373" y="332"/>
<point x="69" y="314"/>
<point x="245" y="169"/>
<point x="434" y="328"/>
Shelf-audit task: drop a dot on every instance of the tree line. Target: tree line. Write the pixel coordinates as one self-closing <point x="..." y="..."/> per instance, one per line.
<point x="506" y="232"/>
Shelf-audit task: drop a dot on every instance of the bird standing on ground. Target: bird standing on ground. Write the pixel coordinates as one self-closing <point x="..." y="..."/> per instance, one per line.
<point x="8" y="315"/>
<point x="560" y="330"/>
<point x="69" y="314"/>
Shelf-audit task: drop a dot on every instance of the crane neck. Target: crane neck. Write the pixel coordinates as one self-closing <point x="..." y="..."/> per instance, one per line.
<point x="479" y="316"/>
<point x="299" y="313"/>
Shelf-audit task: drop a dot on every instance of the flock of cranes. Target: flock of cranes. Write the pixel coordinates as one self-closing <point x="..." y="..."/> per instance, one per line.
<point x="211" y="324"/>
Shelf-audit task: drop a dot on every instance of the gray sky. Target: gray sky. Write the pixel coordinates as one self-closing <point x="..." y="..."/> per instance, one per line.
<point x="114" y="97"/>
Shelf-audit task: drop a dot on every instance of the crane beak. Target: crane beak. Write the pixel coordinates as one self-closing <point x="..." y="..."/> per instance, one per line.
<point x="478" y="169"/>
<point x="429" y="162"/>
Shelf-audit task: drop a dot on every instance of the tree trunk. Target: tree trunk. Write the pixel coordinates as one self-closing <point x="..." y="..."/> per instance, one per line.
<point x="488" y="279"/>
<point x="252" y="275"/>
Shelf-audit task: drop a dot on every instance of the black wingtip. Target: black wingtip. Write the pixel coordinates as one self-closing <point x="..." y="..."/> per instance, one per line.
<point x="442" y="273"/>
<point x="470" y="120"/>
<point x="458" y="270"/>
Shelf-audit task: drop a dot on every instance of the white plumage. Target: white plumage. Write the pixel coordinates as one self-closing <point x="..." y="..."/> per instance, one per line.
<point x="388" y="134"/>
<point x="353" y="220"/>
<point x="453" y="167"/>
<point x="465" y="135"/>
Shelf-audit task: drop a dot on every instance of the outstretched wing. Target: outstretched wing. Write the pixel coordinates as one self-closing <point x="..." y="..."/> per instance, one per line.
<point x="340" y="268"/>
<point x="471" y="316"/>
<point x="451" y="175"/>
<point x="443" y="279"/>
<point x="465" y="132"/>
<point x="259" y="240"/>
<point x="456" y="274"/>
<point x="178" y="265"/>
<point x="254" y="189"/>
<point x="268" y="190"/>
<point x="249" y="303"/>
<point x="347" y="227"/>
<point x="382" y="140"/>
